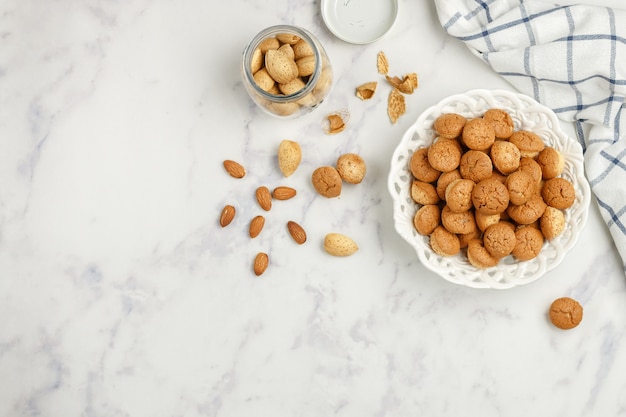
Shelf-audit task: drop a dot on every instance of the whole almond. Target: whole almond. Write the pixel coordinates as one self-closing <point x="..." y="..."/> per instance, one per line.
<point x="264" y="80"/>
<point x="288" y="38"/>
<point x="256" y="225"/>
<point x="283" y="193"/>
<point x="256" y="63"/>
<point x="289" y="157"/>
<point x="297" y="232"/>
<point x="280" y="67"/>
<point x="302" y="48"/>
<point x="264" y="198"/>
<point x="261" y="262"/>
<point x="227" y="216"/>
<point x="234" y="169"/>
<point x="306" y="65"/>
<point x="336" y="244"/>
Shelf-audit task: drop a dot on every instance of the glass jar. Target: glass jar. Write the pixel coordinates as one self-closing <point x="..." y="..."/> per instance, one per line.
<point x="298" y="49"/>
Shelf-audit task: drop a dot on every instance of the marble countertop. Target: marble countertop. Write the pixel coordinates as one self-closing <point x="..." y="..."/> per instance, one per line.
<point x="120" y="294"/>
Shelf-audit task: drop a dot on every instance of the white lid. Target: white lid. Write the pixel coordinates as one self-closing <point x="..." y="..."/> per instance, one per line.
<point x="359" y="21"/>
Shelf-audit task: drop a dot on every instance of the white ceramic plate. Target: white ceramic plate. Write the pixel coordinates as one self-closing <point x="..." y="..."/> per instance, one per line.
<point x="359" y="21"/>
<point x="527" y="114"/>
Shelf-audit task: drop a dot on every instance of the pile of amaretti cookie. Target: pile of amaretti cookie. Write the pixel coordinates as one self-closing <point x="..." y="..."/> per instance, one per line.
<point x="488" y="190"/>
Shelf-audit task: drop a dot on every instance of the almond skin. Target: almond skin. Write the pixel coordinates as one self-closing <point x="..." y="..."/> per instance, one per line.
<point x="234" y="169"/>
<point x="256" y="225"/>
<point x="227" y="216"/>
<point x="264" y="198"/>
<point x="297" y="232"/>
<point x="261" y="262"/>
<point x="336" y="244"/>
<point x="289" y="157"/>
<point x="283" y="193"/>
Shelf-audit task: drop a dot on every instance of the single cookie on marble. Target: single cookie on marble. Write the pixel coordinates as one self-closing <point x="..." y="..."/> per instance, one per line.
<point x="421" y="168"/>
<point x="499" y="239"/>
<point x="458" y="223"/>
<point x="552" y="222"/>
<point x="444" y="180"/>
<point x="444" y="154"/>
<point x="521" y="187"/>
<point x="351" y="168"/>
<point x="566" y="313"/>
<point x="478" y="134"/>
<point x="505" y="156"/>
<point x="551" y="162"/>
<point x="528" y="143"/>
<point x="478" y="256"/>
<point x="476" y="166"/>
<point x="459" y="195"/>
<point x="443" y="242"/>
<point x="424" y="193"/>
<point x="502" y="122"/>
<point x="528" y="212"/>
<point x="449" y="125"/>
<point x="327" y="181"/>
<point x="558" y="193"/>
<point x="427" y="218"/>
<point x="528" y="243"/>
<point x="490" y="196"/>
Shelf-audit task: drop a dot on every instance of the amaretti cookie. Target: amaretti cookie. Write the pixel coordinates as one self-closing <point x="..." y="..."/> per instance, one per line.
<point x="458" y="223"/>
<point x="521" y="187"/>
<point x="421" y="168"/>
<point x="444" y="243"/>
<point x="551" y="162"/>
<point x="502" y="122"/>
<point x="531" y="166"/>
<point x="476" y="166"/>
<point x="458" y="195"/>
<point x="444" y="154"/>
<point x="528" y="212"/>
<point x="558" y="193"/>
<point x="552" y="222"/>
<point x="528" y="143"/>
<point x="490" y="196"/>
<point x="528" y="243"/>
<point x="444" y="180"/>
<point x="478" y="134"/>
<point x="478" y="256"/>
<point x="505" y="156"/>
<point x="449" y="125"/>
<point x="427" y="218"/>
<point x="483" y="221"/>
<point x="499" y="239"/>
<point x="351" y="168"/>
<point x="566" y="313"/>
<point x="424" y="193"/>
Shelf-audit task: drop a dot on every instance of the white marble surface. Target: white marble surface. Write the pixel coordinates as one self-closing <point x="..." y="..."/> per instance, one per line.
<point x="120" y="295"/>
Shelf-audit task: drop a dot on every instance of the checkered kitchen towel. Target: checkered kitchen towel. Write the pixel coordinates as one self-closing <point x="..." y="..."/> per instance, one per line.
<point x="569" y="58"/>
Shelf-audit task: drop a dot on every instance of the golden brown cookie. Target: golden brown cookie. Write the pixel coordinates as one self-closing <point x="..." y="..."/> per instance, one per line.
<point x="528" y="212"/>
<point x="478" y="256"/>
<point x="505" y="156"/>
<point x="327" y="181"/>
<point x="421" y="168"/>
<point x="531" y="166"/>
<point x="551" y="162"/>
<point x="449" y="125"/>
<point x="458" y="223"/>
<point x="490" y="196"/>
<point x="521" y="187"/>
<point x="566" y="313"/>
<point x="465" y="239"/>
<point x="528" y="243"/>
<point x="351" y="168"/>
<point x="478" y="134"/>
<point x="458" y="195"/>
<point x="558" y="193"/>
<point x="444" y="180"/>
<point x="476" y="166"/>
<point x="424" y="193"/>
<point x="528" y="143"/>
<point x="427" y="218"/>
<point x="443" y="242"/>
<point x="552" y="222"/>
<point x="502" y="122"/>
<point x="483" y="221"/>
<point x="444" y="154"/>
<point x="499" y="239"/>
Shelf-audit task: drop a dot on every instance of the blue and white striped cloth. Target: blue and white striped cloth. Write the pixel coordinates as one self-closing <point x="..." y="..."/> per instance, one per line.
<point x="569" y="58"/>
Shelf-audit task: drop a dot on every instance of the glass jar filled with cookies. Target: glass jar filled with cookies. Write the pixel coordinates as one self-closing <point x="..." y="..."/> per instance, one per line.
<point x="286" y="71"/>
